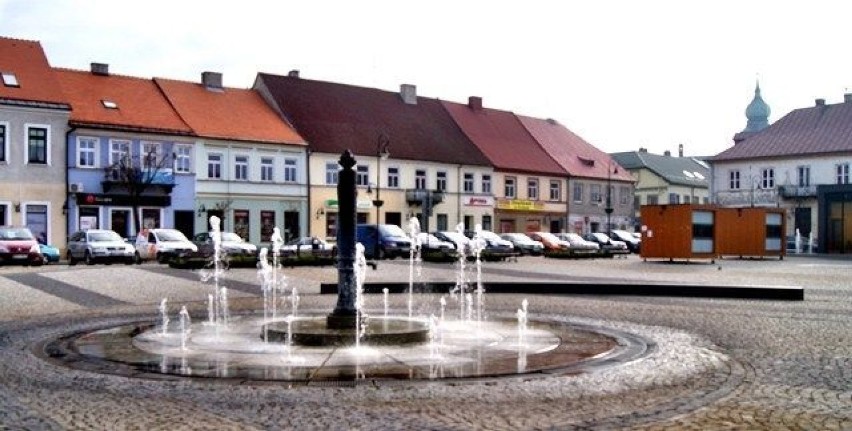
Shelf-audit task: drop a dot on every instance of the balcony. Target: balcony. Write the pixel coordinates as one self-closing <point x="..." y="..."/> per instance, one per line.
<point x="417" y="197"/>
<point x="794" y="192"/>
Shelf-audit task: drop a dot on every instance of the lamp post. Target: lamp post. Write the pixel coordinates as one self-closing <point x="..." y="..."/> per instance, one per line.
<point x="608" y="209"/>
<point x="382" y="153"/>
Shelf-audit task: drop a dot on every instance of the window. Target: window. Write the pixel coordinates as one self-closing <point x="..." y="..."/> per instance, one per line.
<point x="420" y="179"/>
<point x="578" y="192"/>
<point x="674" y="198"/>
<point x="468" y="182"/>
<point x="804" y="176"/>
<point x="686" y="199"/>
<point x="362" y="175"/>
<point x="37" y="151"/>
<point x="652" y="199"/>
<point x="555" y="190"/>
<point x="3" y="142"/>
<point x="595" y="193"/>
<point x="267" y="169"/>
<point x="441" y="181"/>
<point x="214" y="166"/>
<point x="151" y="155"/>
<point x="843" y="173"/>
<point x="509" y="187"/>
<point x="443" y="222"/>
<point x="241" y="168"/>
<point x="486" y="222"/>
<point x="118" y="150"/>
<point x="767" y="178"/>
<point x="109" y="104"/>
<point x="393" y="177"/>
<point x="532" y="189"/>
<point x="734" y="180"/>
<point x="183" y="159"/>
<point x="9" y="79"/>
<point x="486" y="184"/>
<point x="290" y="171"/>
<point x="624" y="195"/>
<point x="87" y="150"/>
<point x="331" y="170"/>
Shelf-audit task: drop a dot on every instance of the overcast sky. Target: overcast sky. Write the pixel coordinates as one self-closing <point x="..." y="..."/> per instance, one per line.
<point x="621" y="74"/>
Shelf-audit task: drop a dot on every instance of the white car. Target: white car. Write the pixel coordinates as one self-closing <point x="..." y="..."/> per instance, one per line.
<point x="430" y="243"/>
<point x="162" y="245"/>
<point x="578" y="244"/>
<point x="99" y="245"/>
<point x="524" y="244"/>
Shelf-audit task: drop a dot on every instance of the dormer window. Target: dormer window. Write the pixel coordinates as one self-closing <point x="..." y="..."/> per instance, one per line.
<point x="9" y="79"/>
<point x="587" y="162"/>
<point x="109" y="104"/>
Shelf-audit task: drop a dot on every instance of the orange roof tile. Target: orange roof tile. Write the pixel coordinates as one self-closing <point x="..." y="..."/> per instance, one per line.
<point x="140" y="104"/>
<point x="36" y="83"/>
<point x="227" y="113"/>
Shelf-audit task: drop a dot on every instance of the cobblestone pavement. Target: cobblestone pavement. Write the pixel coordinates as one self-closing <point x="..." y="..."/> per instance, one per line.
<point x="717" y="363"/>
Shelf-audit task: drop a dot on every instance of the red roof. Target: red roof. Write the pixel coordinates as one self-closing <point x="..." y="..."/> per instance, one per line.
<point x="573" y="153"/>
<point x="503" y="139"/>
<point x="139" y="103"/>
<point x="227" y="113"/>
<point x="36" y="83"/>
<point x="821" y="129"/>
<point x="336" y="117"/>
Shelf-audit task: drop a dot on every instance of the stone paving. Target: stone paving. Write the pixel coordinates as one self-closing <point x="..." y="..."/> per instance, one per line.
<point x="717" y="363"/>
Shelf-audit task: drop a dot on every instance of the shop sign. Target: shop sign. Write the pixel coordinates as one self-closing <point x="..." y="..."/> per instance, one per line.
<point x="478" y="201"/>
<point x="363" y="204"/>
<point x="330" y="203"/>
<point x="122" y="200"/>
<point x="519" y="205"/>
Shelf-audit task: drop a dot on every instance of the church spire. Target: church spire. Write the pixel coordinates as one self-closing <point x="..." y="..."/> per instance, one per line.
<point x="757" y="112"/>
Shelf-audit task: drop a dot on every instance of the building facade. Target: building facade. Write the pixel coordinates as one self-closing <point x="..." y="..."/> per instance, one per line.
<point x="33" y="123"/>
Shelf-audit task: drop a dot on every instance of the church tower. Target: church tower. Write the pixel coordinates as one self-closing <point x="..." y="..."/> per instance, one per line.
<point x="757" y="114"/>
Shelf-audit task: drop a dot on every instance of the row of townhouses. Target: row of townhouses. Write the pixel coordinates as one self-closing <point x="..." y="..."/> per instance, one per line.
<point x="91" y="149"/>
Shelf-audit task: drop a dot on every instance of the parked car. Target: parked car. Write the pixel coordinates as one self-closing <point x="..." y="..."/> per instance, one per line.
<point x="633" y="243"/>
<point x="384" y="241"/>
<point x="49" y="253"/>
<point x="235" y="249"/>
<point x="550" y="241"/>
<point x="607" y="244"/>
<point x="432" y="247"/>
<point x="578" y="244"/>
<point x="459" y="241"/>
<point x="805" y="244"/>
<point x="524" y="244"/>
<point x="496" y="248"/>
<point x="308" y="247"/>
<point x="162" y="245"/>
<point x="99" y="245"/>
<point x="19" y="246"/>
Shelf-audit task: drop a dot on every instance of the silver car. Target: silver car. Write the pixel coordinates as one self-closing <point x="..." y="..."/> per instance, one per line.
<point x="99" y="245"/>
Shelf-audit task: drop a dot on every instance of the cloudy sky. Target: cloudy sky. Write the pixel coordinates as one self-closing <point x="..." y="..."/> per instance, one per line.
<point x="622" y="74"/>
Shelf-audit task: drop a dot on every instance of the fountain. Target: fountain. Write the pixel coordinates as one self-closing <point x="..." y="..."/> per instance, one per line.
<point x="355" y="341"/>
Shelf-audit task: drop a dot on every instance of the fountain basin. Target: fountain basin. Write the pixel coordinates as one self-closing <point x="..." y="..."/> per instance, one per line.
<point x="315" y="331"/>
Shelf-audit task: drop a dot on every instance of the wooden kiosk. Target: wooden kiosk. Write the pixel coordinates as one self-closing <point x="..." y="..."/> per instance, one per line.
<point x="709" y="231"/>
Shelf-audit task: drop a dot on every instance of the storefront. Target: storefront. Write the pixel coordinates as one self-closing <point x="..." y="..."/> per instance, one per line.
<point x="518" y="215"/>
<point x="115" y="212"/>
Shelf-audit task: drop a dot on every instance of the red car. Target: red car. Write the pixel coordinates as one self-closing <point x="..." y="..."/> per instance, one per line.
<point x="19" y="246"/>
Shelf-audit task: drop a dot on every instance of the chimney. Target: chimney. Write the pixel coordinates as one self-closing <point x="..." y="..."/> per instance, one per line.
<point x="211" y="80"/>
<point x="667" y="153"/>
<point x="474" y="103"/>
<point x="680" y="150"/>
<point x="408" y="93"/>
<point x="643" y="150"/>
<point x="820" y="102"/>
<point x="293" y="73"/>
<point x="100" y="69"/>
<point x="847" y="97"/>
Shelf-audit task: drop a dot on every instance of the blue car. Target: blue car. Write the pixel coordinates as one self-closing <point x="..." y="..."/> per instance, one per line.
<point x="49" y="253"/>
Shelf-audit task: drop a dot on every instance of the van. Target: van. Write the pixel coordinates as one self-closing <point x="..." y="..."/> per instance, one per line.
<point x="384" y="241"/>
<point x="162" y="244"/>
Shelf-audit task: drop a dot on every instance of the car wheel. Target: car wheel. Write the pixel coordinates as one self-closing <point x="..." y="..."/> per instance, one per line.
<point x="162" y="258"/>
<point x="71" y="260"/>
<point x="381" y="254"/>
<point x="88" y="259"/>
<point x="137" y="258"/>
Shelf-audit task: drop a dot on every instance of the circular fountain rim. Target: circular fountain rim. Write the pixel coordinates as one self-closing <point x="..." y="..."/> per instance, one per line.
<point x="315" y="331"/>
<point x="628" y="347"/>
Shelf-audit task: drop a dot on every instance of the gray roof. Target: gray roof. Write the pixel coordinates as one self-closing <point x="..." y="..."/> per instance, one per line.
<point x="687" y="171"/>
<point x="821" y="129"/>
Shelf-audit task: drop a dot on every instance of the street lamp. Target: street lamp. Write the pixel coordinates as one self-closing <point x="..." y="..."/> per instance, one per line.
<point x="382" y="153"/>
<point x="608" y="209"/>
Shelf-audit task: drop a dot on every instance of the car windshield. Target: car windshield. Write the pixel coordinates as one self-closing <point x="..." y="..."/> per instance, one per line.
<point x="171" y="235"/>
<point x="573" y="237"/>
<point x="601" y="236"/>
<point x="392" y="230"/>
<point x="487" y="234"/>
<point x="231" y="237"/>
<point x="428" y="237"/>
<point x="104" y="237"/>
<point x="15" y="234"/>
<point x="549" y="236"/>
<point x="455" y="236"/>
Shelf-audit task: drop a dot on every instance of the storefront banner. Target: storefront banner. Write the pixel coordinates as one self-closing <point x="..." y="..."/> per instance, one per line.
<point x="478" y="201"/>
<point x="519" y="205"/>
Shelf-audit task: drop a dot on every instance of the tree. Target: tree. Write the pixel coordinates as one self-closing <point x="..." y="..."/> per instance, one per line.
<point x="139" y="175"/>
